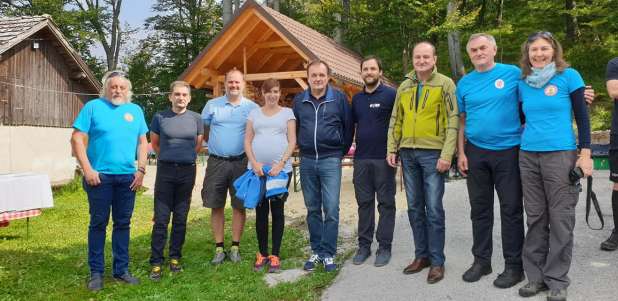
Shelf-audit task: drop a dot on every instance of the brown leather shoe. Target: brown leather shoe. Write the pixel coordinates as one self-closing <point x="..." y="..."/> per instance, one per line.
<point x="435" y="274"/>
<point x="416" y="266"/>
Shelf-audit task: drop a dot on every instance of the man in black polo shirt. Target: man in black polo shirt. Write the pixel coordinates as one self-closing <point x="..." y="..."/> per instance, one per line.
<point x="611" y="243"/>
<point x="373" y="176"/>
<point x="176" y="136"/>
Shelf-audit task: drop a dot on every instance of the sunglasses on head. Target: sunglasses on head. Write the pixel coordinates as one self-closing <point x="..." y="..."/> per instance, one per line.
<point x="117" y="73"/>
<point x="540" y="34"/>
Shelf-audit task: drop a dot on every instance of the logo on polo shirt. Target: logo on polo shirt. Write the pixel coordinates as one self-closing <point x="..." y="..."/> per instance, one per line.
<point x="499" y="83"/>
<point x="128" y="117"/>
<point x="551" y="90"/>
<point x="374" y="105"/>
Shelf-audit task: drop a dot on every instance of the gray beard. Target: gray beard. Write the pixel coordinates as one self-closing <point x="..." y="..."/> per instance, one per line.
<point x="118" y="102"/>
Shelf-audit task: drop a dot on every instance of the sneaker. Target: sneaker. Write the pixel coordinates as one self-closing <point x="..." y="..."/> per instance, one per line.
<point x="611" y="244"/>
<point x="509" y="278"/>
<point x="175" y="266"/>
<point x="329" y="264"/>
<point x="476" y="271"/>
<point x="312" y="262"/>
<point x="557" y="295"/>
<point x="275" y="264"/>
<point x="127" y="278"/>
<point x="260" y="262"/>
<point x="155" y="273"/>
<point x="532" y="288"/>
<point x="95" y="283"/>
<point x="235" y="254"/>
<point x="219" y="256"/>
<point x="361" y="255"/>
<point x="383" y="256"/>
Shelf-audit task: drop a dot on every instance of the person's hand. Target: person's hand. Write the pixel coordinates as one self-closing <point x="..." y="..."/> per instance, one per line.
<point x="585" y="162"/>
<point x="92" y="177"/>
<point x="443" y="165"/>
<point x="391" y="159"/>
<point x="276" y="168"/>
<point x="257" y="168"/>
<point x="462" y="164"/>
<point x="589" y="95"/>
<point x="137" y="181"/>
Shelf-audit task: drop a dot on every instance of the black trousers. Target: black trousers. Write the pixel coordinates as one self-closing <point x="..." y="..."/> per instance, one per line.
<point x="374" y="178"/>
<point x="172" y="198"/>
<point x="489" y="169"/>
<point x="275" y="205"/>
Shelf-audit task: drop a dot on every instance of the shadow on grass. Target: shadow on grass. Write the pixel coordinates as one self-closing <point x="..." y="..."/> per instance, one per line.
<point x="52" y="263"/>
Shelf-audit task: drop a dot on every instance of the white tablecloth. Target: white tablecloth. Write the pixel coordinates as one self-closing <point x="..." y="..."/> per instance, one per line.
<point x="25" y="191"/>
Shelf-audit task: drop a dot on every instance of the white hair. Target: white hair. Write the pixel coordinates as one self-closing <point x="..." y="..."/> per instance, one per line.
<point x="487" y="36"/>
<point x="116" y="73"/>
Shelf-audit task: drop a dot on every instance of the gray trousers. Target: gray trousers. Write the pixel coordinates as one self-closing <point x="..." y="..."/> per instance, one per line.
<point x="549" y="201"/>
<point x="374" y="178"/>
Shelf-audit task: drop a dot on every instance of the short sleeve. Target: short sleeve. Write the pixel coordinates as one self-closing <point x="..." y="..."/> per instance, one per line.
<point x="155" y="125"/>
<point x="84" y="118"/>
<point x="289" y="114"/>
<point x="612" y="69"/>
<point x="200" y="124"/>
<point x="143" y="126"/>
<point x="207" y="113"/>
<point x="252" y="115"/>
<point x="460" y="101"/>
<point x="575" y="80"/>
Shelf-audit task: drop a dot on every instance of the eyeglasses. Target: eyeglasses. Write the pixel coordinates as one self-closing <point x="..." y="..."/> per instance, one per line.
<point x="540" y="34"/>
<point x="116" y="73"/>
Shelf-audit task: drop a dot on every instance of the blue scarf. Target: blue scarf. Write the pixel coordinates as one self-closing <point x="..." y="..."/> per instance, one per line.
<point x="540" y="76"/>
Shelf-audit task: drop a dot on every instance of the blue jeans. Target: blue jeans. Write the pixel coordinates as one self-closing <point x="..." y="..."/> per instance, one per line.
<point x="321" y="183"/>
<point x="424" y="191"/>
<point x="113" y="193"/>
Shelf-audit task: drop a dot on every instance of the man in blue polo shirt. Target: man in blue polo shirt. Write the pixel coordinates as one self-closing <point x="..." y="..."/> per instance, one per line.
<point x="225" y="119"/>
<point x="489" y="137"/>
<point x="373" y="177"/>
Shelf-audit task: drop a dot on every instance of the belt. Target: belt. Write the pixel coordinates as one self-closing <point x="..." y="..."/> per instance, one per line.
<point x="229" y="158"/>
<point x="171" y="163"/>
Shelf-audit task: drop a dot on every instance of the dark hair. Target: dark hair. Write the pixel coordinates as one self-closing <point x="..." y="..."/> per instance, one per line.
<point x="369" y="58"/>
<point x="317" y="62"/>
<point x="269" y="84"/>
<point x="180" y="83"/>
<point x="524" y="62"/>
<point x="428" y="43"/>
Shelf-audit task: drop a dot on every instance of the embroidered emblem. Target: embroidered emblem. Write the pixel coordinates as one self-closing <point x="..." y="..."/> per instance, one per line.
<point x="551" y="90"/>
<point x="499" y="84"/>
<point x="374" y="105"/>
<point x="128" y="117"/>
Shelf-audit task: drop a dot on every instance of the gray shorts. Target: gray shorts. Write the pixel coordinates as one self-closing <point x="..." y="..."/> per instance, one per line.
<point x="219" y="179"/>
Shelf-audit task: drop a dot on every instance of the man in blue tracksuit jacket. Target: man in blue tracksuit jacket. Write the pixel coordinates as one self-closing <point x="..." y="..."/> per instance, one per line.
<point x="325" y="132"/>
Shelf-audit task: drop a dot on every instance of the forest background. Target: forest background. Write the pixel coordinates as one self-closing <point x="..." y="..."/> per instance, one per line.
<point x="179" y="29"/>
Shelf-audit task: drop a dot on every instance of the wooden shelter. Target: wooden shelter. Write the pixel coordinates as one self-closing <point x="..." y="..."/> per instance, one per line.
<point x="264" y="43"/>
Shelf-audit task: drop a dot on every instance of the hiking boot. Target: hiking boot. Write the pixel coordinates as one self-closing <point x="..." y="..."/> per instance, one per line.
<point x="532" y="288"/>
<point x="275" y="264"/>
<point x="260" y="262"/>
<point x="329" y="264"/>
<point x="95" y="283"/>
<point x="557" y="295"/>
<point x="155" y="273"/>
<point x="611" y="244"/>
<point x="509" y="278"/>
<point x="127" y="278"/>
<point x="235" y="254"/>
<point x="175" y="266"/>
<point x="476" y="271"/>
<point x="219" y="256"/>
<point x="383" y="257"/>
<point x="312" y="262"/>
<point x="361" y="255"/>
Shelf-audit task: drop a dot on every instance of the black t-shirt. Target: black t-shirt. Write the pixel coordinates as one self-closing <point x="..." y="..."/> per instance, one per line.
<point x="372" y="114"/>
<point x="612" y="74"/>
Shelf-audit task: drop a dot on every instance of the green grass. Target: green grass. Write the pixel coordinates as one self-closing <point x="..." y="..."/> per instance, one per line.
<point x="52" y="263"/>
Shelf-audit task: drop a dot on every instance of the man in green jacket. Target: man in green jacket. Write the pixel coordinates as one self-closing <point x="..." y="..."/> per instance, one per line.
<point x="423" y="133"/>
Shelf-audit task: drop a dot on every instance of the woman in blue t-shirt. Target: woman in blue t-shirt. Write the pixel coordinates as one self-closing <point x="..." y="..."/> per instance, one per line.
<point x="550" y="92"/>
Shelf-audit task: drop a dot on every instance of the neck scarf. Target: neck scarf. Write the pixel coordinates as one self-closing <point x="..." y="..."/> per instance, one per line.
<point x="540" y="76"/>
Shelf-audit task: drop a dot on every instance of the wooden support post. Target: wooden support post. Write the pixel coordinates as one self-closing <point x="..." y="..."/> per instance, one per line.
<point x="301" y="83"/>
<point x="216" y="91"/>
<point x="244" y="59"/>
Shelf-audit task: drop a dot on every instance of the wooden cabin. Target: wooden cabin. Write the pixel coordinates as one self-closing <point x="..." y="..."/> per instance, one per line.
<point x="43" y="82"/>
<point x="264" y="43"/>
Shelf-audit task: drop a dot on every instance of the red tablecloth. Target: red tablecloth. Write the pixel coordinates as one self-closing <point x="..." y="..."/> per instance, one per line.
<point x="5" y="217"/>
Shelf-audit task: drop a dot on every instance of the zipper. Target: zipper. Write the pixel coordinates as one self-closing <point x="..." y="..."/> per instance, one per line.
<point x="425" y="99"/>
<point x="438" y="122"/>
<point x="315" y="125"/>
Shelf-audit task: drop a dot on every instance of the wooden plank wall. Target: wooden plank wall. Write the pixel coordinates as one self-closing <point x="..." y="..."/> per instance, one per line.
<point x="46" y="71"/>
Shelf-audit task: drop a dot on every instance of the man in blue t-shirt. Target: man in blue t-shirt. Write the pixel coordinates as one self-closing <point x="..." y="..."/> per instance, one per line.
<point x="110" y="132"/>
<point x="611" y="243"/>
<point x="489" y="138"/>
<point x="373" y="177"/>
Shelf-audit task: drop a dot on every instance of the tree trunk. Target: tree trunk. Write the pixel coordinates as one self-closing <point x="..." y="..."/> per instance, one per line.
<point x="454" y="48"/>
<point x="499" y="14"/>
<point x="572" y="28"/>
<point x="227" y="11"/>
<point x="481" y="19"/>
<point x="236" y="5"/>
<point x="275" y="5"/>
